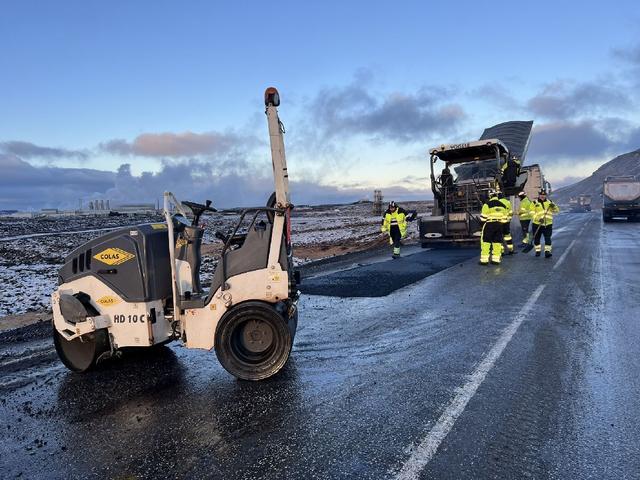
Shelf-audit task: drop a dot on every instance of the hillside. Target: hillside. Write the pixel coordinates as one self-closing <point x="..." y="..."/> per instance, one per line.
<point x="626" y="164"/>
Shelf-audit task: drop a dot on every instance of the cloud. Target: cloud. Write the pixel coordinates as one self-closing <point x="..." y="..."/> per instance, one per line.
<point x="227" y="184"/>
<point x="354" y="110"/>
<point x="496" y="95"/>
<point x="633" y="139"/>
<point x="565" y="181"/>
<point x="30" y="150"/>
<point x="236" y="185"/>
<point x="568" y="140"/>
<point x="311" y="193"/>
<point x="630" y="54"/>
<point x="179" y="145"/>
<point x="24" y="186"/>
<point x="564" y="100"/>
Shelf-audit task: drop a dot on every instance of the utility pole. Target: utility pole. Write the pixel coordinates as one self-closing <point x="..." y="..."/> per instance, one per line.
<point x="377" y="202"/>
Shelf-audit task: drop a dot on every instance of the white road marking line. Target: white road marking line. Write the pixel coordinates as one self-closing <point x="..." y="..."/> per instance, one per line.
<point x="561" y="229"/>
<point x="584" y="226"/>
<point x="564" y="255"/>
<point x="424" y="452"/>
<point x="566" y="252"/>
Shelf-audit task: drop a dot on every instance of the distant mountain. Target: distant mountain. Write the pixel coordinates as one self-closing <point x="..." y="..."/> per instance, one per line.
<point x="626" y="164"/>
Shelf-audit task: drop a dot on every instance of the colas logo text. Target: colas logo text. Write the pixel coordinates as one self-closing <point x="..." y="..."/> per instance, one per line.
<point x="114" y="256"/>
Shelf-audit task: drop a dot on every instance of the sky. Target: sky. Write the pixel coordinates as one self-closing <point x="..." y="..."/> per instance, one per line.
<point x="122" y="100"/>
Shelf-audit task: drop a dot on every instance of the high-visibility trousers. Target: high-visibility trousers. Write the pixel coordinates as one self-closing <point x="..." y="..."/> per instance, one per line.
<point x="524" y="224"/>
<point x="539" y="231"/>
<point x="394" y="239"/>
<point x="506" y="234"/>
<point x="491" y="242"/>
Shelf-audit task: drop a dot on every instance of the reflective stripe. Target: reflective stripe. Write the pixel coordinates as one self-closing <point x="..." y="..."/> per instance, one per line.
<point x="494" y="211"/>
<point x="397" y="219"/>
<point x="524" y="212"/>
<point x="543" y="212"/>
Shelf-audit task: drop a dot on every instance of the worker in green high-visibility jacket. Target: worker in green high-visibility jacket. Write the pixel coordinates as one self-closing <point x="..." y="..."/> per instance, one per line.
<point x="493" y="215"/>
<point x="525" y="214"/>
<point x="506" y="224"/>
<point x="394" y="222"/>
<point x="543" y="211"/>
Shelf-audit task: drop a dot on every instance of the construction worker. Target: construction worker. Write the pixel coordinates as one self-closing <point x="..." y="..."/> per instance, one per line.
<point x="506" y="224"/>
<point x="494" y="213"/>
<point x="510" y="171"/>
<point x="394" y="222"/>
<point x="525" y="214"/>
<point x="446" y="179"/>
<point x="542" y="211"/>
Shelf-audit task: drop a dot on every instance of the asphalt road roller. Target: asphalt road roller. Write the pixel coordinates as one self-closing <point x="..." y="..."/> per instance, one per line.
<point x="139" y="287"/>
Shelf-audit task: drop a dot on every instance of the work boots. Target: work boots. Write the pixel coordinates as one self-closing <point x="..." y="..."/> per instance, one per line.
<point x="537" y="254"/>
<point x="548" y="255"/>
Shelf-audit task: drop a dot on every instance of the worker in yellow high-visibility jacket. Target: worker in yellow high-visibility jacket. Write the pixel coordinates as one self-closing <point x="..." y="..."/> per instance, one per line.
<point x="506" y="224"/>
<point x="493" y="214"/>
<point x="543" y="211"/>
<point x="394" y="222"/>
<point x="525" y="214"/>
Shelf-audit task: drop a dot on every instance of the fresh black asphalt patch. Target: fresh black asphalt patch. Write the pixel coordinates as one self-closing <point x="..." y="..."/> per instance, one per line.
<point x="382" y="278"/>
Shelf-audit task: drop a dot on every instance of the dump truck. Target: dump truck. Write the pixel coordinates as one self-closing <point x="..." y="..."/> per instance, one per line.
<point x="621" y="198"/>
<point x="478" y="167"/>
<point x="580" y="204"/>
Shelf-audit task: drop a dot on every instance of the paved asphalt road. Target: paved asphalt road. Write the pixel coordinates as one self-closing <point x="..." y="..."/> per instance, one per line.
<point x="527" y="370"/>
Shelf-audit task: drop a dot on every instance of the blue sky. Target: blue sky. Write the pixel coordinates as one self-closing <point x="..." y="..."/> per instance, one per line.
<point x="122" y="100"/>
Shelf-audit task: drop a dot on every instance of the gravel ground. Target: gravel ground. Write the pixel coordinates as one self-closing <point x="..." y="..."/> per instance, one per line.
<point x="32" y="250"/>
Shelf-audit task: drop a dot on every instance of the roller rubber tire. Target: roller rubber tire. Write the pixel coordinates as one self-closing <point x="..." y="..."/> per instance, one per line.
<point x="253" y="341"/>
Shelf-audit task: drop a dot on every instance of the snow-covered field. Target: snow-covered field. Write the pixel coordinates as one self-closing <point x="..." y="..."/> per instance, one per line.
<point x="32" y="250"/>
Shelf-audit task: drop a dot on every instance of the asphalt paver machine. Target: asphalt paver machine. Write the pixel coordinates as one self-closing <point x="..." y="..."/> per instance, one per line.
<point x="469" y="171"/>
<point x="140" y="286"/>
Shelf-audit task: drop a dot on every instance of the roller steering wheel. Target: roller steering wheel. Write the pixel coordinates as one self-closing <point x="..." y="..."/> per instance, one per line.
<point x="198" y="209"/>
<point x="198" y="206"/>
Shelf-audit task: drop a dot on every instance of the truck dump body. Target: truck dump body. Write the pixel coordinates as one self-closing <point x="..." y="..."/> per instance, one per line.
<point x="621" y="197"/>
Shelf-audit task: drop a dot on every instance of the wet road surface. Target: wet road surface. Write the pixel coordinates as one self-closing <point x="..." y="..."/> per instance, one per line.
<point x="526" y="370"/>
